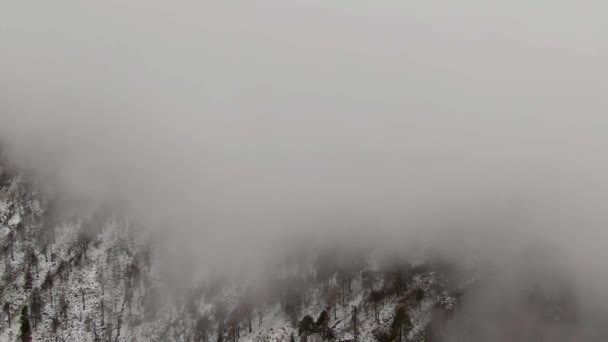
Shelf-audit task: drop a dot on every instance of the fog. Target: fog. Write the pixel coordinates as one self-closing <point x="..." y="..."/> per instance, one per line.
<point x="237" y="128"/>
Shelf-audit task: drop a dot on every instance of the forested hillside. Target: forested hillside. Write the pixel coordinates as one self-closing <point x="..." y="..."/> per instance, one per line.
<point x="94" y="277"/>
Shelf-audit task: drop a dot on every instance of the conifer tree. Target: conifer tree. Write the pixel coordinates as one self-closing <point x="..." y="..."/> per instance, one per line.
<point x="25" y="330"/>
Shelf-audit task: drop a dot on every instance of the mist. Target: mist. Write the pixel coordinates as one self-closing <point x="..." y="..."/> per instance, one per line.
<point x="236" y="129"/>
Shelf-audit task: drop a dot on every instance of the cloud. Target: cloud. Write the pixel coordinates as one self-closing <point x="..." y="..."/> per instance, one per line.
<point x="474" y="126"/>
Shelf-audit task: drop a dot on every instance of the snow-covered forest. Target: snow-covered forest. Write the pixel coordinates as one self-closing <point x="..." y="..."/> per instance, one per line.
<point x="97" y="278"/>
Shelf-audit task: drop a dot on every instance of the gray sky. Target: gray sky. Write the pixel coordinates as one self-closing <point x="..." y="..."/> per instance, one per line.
<point x="242" y="123"/>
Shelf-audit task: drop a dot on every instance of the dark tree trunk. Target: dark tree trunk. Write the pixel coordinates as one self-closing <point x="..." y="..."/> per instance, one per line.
<point x="376" y="312"/>
<point x="355" y="332"/>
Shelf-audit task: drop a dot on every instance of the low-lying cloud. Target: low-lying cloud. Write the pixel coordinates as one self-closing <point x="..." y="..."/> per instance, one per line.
<point x="475" y="126"/>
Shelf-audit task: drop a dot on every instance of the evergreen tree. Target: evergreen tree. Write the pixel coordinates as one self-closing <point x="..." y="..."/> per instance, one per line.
<point x="401" y="324"/>
<point x="322" y="324"/>
<point x="203" y="324"/>
<point x="36" y="306"/>
<point x="419" y="295"/>
<point x="25" y="330"/>
<point x="306" y="327"/>
<point x="220" y="314"/>
<point x="28" y="279"/>
<point x="376" y="297"/>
